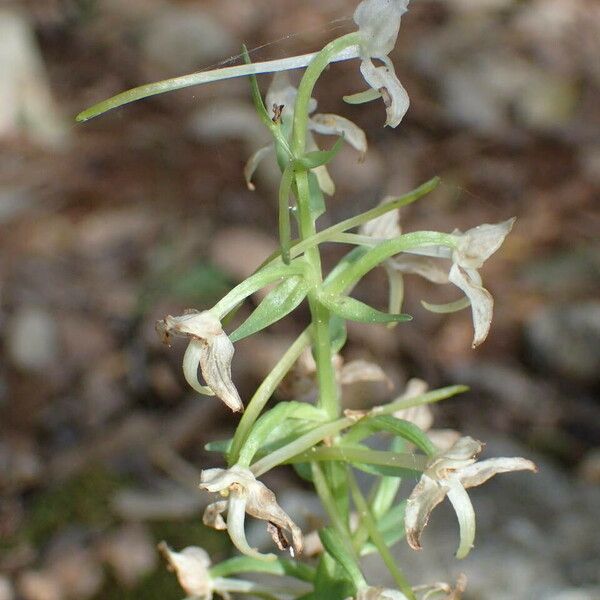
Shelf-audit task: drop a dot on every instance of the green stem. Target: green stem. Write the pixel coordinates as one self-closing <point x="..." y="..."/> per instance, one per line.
<point x="329" y="504"/>
<point x="427" y="398"/>
<point x="377" y="538"/>
<point x="386" y="250"/>
<point x="412" y="462"/>
<point x="248" y="564"/>
<point x="316" y="67"/>
<point x="299" y="445"/>
<point x="264" y="392"/>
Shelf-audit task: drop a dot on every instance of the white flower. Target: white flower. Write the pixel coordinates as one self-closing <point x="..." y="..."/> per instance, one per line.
<point x="281" y="97"/>
<point x="192" y="567"/>
<point x="474" y="247"/>
<point x="423" y="592"/>
<point x="378" y="593"/>
<point x="379" y="23"/>
<point x="449" y="473"/>
<point x="209" y="348"/>
<point x="245" y="494"/>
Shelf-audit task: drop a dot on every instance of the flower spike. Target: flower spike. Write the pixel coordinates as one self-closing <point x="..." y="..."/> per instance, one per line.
<point x="209" y="348"/>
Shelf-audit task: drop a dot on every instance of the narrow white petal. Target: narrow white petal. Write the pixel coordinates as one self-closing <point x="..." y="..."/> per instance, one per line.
<point x="394" y="95"/>
<point x="236" y="516"/>
<point x="396" y="292"/>
<point x="426" y="495"/>
<point x="327" y="124"/>
<point x="478" y="244"/>
<point x="466" y="515"/>
<point x="213" y="515"/>
<point x="479" y="472"/>
<point x="191" y="362"/>
<point x="482" y="303"/>
<point x="425" y="267"/>
<point x="379" y="23"/>
<point x="384" y="227"/>
<point x="215" y="364"/>
<point x="253" y="163"/>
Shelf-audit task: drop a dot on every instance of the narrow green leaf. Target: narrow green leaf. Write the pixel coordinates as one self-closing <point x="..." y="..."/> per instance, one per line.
<point x="340" y="552"/>
<point x="362" y="97"/>
<point x="378" y="539"/>
<point x="335" y="473"/>
<point x="259" y="105"/>
<point x="354" y="310"/>
<point x="271" y="420"/>
<point x="391" y="526"/>
<point x="338" y="333"/>
<point x="248" y="564"/>
<point x="219" y="446"/>
<point x="404" y="429"/>
<point x="318" y="158"/>
<point x="331" y="581"/>
<point x="277" y="304"/>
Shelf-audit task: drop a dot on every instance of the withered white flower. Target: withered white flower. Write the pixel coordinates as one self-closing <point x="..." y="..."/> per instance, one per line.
<point x="474" y="247"/>
<point x="245" y="494"/>
<point x="304" y="376"/>
<point x="449" y="473"/>
<point x="192" y="567"/>
<point x="210" y="349"/>
<point x="378" y="593"/>
<point x="281" y="97"/>
<point x="379" y="24"/>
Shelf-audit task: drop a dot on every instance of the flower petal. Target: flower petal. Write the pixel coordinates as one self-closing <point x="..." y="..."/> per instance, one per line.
<point x="426" y="495"/>
<point x="236" y="516"/>
<point x="479" y="472"/>
<point x="385" y="81"/>
<point x="425" y="267"/>
<point x="327" y="124"/>
<point x="215" y="363"/>
<point x="191" y="567"/>
<point x="384" y="227"/>
<point x="253" y="162"/>
<point x="482" y="303"/>
<point x="213" y="515"/>
<point x="478" y="244"/>
<point x="379" y="23"/>
<point x="262" y="504"/>
<point x="395" y="292"/>
<point x="191" y="362"/>
<point x="464" y="512"/>
<point x="357" y="371"/>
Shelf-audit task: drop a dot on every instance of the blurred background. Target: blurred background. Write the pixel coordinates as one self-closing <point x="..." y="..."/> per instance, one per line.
<point x="107" y="226"/>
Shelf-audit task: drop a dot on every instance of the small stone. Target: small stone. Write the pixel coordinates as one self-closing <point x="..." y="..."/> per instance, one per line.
<point x="32" y="339"/>
<point x="566" y="340"/>
<point x="130" y="552"/>
<point x="6" y="589"/>
<point x="26" y="105"/>
<point x="182" y="39"/>
<point x="39" y="585"/>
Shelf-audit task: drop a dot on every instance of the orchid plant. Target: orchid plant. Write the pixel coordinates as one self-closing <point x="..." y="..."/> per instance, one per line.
<point x="325" y="443"/>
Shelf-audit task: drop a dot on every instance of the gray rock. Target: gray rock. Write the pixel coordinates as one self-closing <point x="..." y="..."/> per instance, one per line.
<point x="566" y="340"/>
<point x="183" y="39"/>
<point x="32" y="339"/>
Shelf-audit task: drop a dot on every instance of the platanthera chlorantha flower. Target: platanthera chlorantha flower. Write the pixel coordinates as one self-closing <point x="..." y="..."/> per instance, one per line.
<point x="281" y="97"/>
<point x="245" y="494"/>
<point x="378" y="25"/>
<point x="210" y="349"/>
<point x="192" y="565"/>
<point x="450" y="473"/>
<point x="473" y="248"/>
